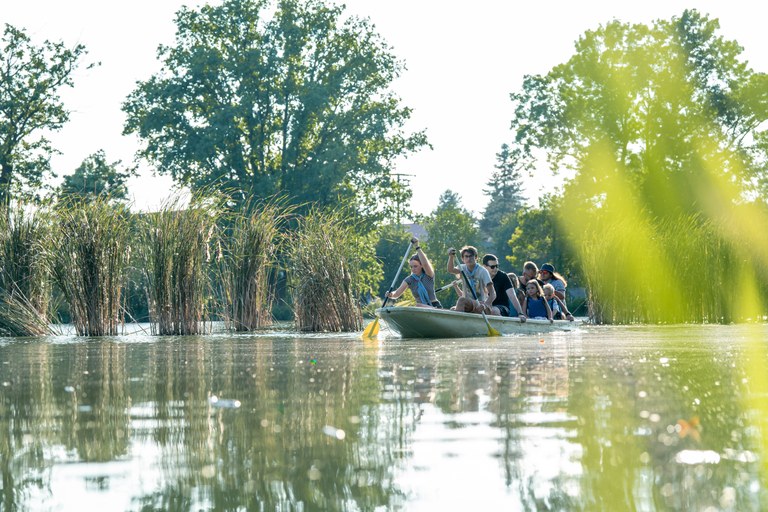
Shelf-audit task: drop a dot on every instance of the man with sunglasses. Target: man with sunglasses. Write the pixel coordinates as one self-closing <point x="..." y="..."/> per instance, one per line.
<point x="479" y="279"/>
<point x="506" y="296"/>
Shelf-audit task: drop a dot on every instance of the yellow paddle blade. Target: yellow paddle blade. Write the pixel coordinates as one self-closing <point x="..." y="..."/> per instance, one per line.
<point x="372" y="330"/>
<point x="493" y="332"/>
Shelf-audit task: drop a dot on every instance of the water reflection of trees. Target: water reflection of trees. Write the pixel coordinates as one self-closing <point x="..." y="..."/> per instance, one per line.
<point x="581" y="429"/>
<point x="108" y="401"/>
<point x="638" y="413"/>
<point x="605" y="429"/>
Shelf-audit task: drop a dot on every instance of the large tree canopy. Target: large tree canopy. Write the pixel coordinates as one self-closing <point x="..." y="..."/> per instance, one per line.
<point x="658" y="105"/>
<point x="258" y="99"/>
<point x="663" y="128"/>
<point x="31" y="77"/>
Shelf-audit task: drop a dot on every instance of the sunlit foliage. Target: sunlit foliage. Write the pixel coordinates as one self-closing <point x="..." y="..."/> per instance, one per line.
<point x="663" y="129"/>
<point x="247" y="263"/>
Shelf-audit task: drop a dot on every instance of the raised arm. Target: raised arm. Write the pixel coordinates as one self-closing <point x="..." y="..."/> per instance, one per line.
<point x="425" y="263"/>
<point x="452" y="268"/>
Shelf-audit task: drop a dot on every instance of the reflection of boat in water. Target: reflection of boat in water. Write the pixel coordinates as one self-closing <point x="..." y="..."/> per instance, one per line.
<point x="415" y="322"/>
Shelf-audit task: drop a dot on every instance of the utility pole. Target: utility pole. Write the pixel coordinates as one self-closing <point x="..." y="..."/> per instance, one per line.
<point x="402" y="179"/>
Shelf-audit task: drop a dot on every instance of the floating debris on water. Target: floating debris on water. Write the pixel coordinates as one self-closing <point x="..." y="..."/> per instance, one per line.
<point x="697" y="457"/>
<point x="224" y="403"/>
<point x="334" y="432"/>
<point x="689" y="428"/>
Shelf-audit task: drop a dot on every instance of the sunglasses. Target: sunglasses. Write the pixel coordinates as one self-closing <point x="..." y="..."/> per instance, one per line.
<point x="493" y="266"/>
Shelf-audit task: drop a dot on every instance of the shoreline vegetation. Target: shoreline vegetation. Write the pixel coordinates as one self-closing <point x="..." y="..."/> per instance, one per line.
<point x="656" y="136"/>
<point x="197" y="263"/>
<point x="193" y="262"/>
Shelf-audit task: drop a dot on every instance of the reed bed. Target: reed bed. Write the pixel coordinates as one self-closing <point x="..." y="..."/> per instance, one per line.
<point x="248" y="264"/>
<point x="90" y="255"/>
<point x="685" y="271"/>
<point x="321" y="255"/>
<point x="25" y="284"/>
<point x="175" y="252"/>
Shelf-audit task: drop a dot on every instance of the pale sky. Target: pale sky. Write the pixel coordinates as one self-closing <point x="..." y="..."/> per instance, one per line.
<point x="462" y="63"/>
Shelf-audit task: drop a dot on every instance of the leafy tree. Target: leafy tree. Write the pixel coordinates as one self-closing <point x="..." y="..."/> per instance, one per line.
<point x="540" y="237"/>
<point x="449" y="225"/>
<point x="260" y="97"/>
<point x="503" y="233"/>
<point x="96" y="177"/>
<point x="662" y="128"/>
<point x="30" y="105"/>
<point x="393" y="240"/>
<point x="505" y="190"/>
<point x="657" y="106"/>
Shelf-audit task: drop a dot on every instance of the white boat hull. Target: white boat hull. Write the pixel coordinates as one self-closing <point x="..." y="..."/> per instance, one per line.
<point x="415" y="322"/>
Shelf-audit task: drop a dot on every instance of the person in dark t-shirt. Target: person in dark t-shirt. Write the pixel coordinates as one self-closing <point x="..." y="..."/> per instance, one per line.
<point x="506" y="302"/>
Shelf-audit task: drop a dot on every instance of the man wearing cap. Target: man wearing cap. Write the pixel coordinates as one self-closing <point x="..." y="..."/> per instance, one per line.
<point x="547" y="275"/>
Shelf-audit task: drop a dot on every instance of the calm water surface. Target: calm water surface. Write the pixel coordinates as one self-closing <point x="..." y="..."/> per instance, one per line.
<point x="604" y="418"/>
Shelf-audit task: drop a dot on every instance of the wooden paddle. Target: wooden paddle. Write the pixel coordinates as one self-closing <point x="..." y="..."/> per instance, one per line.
<point x="450" y="285"/>
<point x="373" y="328"/>
<point x="491" y="330"/>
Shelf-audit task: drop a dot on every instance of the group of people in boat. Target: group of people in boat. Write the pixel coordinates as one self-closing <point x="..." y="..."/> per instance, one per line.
<point x="483" y="288"/>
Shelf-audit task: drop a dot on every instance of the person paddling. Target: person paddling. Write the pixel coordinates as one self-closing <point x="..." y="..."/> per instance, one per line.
<point x="479" y="279"/>
<point x="421" y="281"/>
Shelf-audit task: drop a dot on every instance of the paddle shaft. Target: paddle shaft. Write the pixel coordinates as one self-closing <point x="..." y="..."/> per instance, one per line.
<point x="373" y="328"/>
<point x="397" y="273"/>
<point x="491" y="330"/>
<point x="444" y="288"/>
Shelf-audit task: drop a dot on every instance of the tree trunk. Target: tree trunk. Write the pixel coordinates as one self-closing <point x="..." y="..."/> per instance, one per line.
<point x="6" y="175"/>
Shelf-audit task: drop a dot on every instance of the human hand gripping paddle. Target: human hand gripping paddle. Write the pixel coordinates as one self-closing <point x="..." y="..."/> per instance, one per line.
<point x="491" y="330"/>
<point x="373" y="328"/>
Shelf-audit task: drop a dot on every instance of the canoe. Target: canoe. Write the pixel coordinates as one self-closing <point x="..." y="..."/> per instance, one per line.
<point x="413" y="322"/>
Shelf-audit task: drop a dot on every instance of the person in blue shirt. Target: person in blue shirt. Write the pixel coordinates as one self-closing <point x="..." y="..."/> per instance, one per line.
<point x="559" y="310"/>
<point x="534" y="305"/>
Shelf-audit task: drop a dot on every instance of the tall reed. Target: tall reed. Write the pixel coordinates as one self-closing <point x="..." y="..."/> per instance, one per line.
<point x="25" y="285"/>
<point x="175" y="254"/>
<point x="247" y="265"/>
<point x="686" y="271"/>
<point x="91" y="253"/>
<point x="321" y="254"/>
